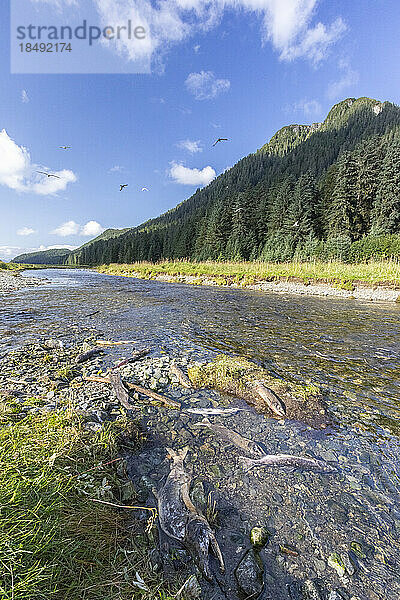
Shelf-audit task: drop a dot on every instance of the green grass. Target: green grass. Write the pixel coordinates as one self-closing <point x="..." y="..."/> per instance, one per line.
<point x="9" y="266"/>
<point x="343" y="275"/>
<point x="55" y="542"/>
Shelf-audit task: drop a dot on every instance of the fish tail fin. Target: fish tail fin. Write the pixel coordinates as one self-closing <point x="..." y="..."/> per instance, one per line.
<point x="217" y="551"/>
<point x="177" y="455"/>
<point x="247" y="463"/>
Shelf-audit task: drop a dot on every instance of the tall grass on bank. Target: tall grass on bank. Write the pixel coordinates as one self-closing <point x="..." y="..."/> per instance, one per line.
<point x="335" y="272"/>
<point x="9" y="266"/>
<point x="55" y="543"/>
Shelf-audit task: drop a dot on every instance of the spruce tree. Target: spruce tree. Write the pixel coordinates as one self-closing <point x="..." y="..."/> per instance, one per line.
<point x="301" y="221"/>
<point x="386" y="211"/>
<point x="344" y="198"/>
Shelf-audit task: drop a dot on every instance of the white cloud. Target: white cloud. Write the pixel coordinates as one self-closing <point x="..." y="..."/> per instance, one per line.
<point x="313" y="42"/>
<point x="26" y="231"/>
<point x="205" y="86"/>
<point x="7" y="252"/>
<point x="348" y="78"/>
<point x="196" y="48"/>
<point x="55" y="247"/>
<point x="186" y="176"/>
<point x="66" y="229"/>
<point x="289" y="25"/>
<point x="18" y="172"/>
<point x="191" y="146"/>
<point x="24" y="97"/>
<point x="91" y="229"/>
<point x="308" y="107"/>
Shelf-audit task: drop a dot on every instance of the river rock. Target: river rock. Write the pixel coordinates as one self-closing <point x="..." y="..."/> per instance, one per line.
<point x="249" y="575"/>
<point x="336" y="562"/>
<point x="198" y="496"/>
<point x="311" y="590"/>
<point x="335" y="595"/>
<point x="259" y="536"/>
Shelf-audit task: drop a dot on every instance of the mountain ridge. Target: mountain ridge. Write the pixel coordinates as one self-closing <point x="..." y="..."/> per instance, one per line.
<point x="253" y="208"/>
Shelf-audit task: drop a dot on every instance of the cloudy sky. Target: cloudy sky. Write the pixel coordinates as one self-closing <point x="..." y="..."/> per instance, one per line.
<point x="239" y="69"/>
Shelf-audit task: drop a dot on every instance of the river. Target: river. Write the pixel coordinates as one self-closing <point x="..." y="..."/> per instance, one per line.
<point x="350" y="348"/>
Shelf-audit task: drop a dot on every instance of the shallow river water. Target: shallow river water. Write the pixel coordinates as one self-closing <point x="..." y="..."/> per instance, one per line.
<point x="350" y="348"/>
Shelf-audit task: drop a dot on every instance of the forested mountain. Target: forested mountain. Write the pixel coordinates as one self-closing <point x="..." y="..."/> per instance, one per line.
<point x="56" y="256"/>
<point x="325" y="190"/>
<point x="108" y="234"/>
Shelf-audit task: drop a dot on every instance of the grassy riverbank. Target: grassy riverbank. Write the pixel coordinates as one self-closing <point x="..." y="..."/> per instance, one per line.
<point x="56" y="542"/>
<point x="248" y="273"/>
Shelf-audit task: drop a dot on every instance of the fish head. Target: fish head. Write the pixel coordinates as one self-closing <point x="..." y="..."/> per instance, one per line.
<point x="279" y="410"/>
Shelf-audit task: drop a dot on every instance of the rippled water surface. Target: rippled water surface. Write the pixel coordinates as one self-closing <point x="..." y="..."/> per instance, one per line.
<point x="351" y="348"/>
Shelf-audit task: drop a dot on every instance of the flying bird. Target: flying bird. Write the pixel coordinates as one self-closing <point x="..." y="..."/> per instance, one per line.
<point x="145" y="189"/>
<point x="65" y="147"/>
<point x="122" y="186"/>
<point x="48" y="174"/>
<point x="220" y="140"/>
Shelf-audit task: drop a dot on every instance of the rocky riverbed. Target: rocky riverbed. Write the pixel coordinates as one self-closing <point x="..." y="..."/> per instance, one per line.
<point x="11" y="281"/>
<point x="285" y="534"/>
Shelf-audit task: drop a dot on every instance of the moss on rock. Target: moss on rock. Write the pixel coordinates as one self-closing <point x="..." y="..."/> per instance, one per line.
<point x="234" y="376"/>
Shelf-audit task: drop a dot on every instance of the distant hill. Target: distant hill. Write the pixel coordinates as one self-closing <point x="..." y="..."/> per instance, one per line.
<point x="325" y="190"/>
<point x="78" y="256"/>
<point x="56" y="256"/>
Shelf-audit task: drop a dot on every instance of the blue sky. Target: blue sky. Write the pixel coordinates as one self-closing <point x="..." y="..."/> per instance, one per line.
<point x="239" y="69"/>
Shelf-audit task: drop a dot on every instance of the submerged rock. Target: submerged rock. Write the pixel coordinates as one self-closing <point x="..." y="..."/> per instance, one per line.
<point x="311" y="590"/>
<point x="259" y="536"/>
<point x="238" y="376"/>
<point x="336" y="562"/>
<point x="249" y="575"/>
<point x="335" y="595"/>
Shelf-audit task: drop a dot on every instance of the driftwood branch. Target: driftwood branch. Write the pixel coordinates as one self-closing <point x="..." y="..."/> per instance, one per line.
<point x="88" y="355"/>
<point x="120" y="391"/>
<point x="110" y="343"/>
<point x="18" y="381"/>
<point x="135" y="356"/>
<point x="140" y="389"/>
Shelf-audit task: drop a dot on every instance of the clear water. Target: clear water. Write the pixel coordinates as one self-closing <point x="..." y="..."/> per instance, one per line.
<point x="351" y="348"/>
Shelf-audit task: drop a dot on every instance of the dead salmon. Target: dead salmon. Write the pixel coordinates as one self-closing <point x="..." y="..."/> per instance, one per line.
<point x="274" y="403"/>
<point x="180" y="519"/>
<point x="232" y="437"/>
<point x="286" y="460"/>
<point x="223" y="412"/>
<point x="180" y="375"/>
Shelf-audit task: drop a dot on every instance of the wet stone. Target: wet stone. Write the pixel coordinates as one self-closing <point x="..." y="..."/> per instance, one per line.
<point x="259" y="536"/>
<point x="249" y="575"/>
<point x="336" y="595"/>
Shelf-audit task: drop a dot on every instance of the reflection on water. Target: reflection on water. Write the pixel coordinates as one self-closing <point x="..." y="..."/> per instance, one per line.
<point x="350" y="348"/>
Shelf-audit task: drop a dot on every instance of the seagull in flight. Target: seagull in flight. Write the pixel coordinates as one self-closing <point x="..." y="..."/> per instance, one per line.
<point x="220" y="140"/>
<point x="65" y="147"/>
<point x="144" y="189"/>
<point x="48" y="174"/>
<point x="122" y="186"/>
